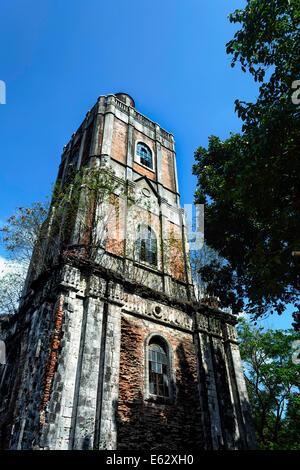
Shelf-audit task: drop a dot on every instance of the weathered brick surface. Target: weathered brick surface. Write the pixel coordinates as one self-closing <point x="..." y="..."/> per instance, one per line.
<point x="144" y="171"/>
<point x="168" y="175"/>
<point x="52" y="361"/>
<point x="145" y="425"/>
<point x="175" y="245"/>
<point x="119" y="141"/>
<point x="116" y="230"/>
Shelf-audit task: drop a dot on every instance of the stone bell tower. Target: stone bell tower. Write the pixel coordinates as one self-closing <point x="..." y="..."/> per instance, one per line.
<point x="109" y="349"/>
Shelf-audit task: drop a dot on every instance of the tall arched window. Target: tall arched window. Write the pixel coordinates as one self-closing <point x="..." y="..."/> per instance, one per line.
<point x="146" y="245"/>
<point x="158" y="368"/>
<point x="144" y="154"/>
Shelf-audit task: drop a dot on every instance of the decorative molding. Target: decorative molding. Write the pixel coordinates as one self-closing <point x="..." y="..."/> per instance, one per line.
<point x="96" y="286"/>
<point x="157" y="311"/>
<point x="70" y="277"/>
<point x="202" y="322"/>
<point x="230" y="333"/>
<point x="128" y="110"/>
<point x="115" y="292"/>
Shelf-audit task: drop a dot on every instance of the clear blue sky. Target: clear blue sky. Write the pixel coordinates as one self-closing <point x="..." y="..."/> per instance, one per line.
<point x="57" y="57"/>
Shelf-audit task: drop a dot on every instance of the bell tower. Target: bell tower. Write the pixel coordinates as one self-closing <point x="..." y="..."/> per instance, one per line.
<point x="109" y="349"/>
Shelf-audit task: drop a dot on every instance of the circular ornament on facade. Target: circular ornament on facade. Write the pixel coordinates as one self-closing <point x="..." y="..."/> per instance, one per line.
<point x="146" y="192"/>
<point x="157" y="312"/>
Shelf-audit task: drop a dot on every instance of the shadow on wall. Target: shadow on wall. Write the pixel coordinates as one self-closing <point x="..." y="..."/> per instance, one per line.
<point x="151" y="426"/>
<point x="10" y="378"/>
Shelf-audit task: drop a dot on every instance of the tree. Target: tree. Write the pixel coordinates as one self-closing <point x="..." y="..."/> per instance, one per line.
<point x="12" y="279"/>
<point x="34" y="236"/>
<point x="250" y="182"/>
<point x="21" y="229"/>
<point x="219" y="279"/>
<point x="273" y="378"/>
<point x="201" y="261"/>
<point x="18" y="238"/>
<point x="86" y="217"/>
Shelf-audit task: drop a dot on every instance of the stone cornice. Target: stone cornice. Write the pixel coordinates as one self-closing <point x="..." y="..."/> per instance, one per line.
<point x="141" y="118"/>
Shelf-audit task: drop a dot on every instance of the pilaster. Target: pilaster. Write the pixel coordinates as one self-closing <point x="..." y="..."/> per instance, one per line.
<point x="99" y="116"/>
<point x="158" y="161"/>
<point x="239" y="389"/>
<point x="130" y="144"/>
<point x="207" y="384"/>
<point x="88" y="369"/>
<point x="108" y="387"/>
<point x="108" y="131"/>
<point x="57" y="416"/>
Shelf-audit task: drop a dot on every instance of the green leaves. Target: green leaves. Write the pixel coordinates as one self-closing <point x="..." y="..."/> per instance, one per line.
<point x="273" y="384"/>
<point x="250" y="182"/>
<point x="20" y="231"/>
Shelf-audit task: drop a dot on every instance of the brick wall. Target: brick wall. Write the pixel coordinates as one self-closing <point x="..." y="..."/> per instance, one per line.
<point x="115" y="242"/>
<point x="119" y="141"/>
<point x="145" y="425"/>
<point x="167" y="169"/>
<point x="176" y="254"/>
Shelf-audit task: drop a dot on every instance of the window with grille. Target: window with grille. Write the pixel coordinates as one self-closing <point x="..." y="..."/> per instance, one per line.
<point x="146" y="245"/>
<point x="144" y="154"/>
<point x="158" y="369"/>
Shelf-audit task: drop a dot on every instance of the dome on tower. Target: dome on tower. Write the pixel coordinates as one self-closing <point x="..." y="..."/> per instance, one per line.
<point x="127" y="99"/>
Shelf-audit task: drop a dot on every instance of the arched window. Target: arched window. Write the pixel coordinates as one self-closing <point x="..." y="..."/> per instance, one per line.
<point x="146" y="245"/>
<point x="158" y="368"/>
<point x="144" y="154"/>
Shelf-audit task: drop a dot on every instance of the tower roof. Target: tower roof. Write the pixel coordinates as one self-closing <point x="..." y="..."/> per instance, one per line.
<point x="127" y="99"/>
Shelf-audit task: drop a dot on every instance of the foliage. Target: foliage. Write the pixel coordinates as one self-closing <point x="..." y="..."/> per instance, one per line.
<point x="86" y="217"/>
<point x="250" y="183"/>
<point x="77" y="199"/>
<point x="11" y="286"/>
<point x="32" y="235"/>
<point x="200" y="260"/>
<point x="219" y="278"/>
<point x="21" y="229"/>
<point x="296" y="318"/>
<point x="273" y="380"/>
<point x="18" y="238"/>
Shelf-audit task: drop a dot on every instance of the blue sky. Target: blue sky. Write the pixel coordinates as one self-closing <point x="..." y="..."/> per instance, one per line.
<point x="57" y="57"/>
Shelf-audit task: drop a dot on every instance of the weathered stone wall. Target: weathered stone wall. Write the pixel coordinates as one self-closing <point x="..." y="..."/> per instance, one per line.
<point x="226" y="410"/>
<point x="77" y="369"/>
<point x="31" y="342"/>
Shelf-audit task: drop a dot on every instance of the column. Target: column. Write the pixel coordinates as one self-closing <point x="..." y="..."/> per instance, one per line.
<point x="239" y="388"/>
<point x="108" y="388"/>
<point x="208" y="388"/>
<point x="108" y="131"/>
<point x="130" y="144"/>
<point x="59" y="409"/>
<point x="85" y="402"/>
<point x="94" y="152"/>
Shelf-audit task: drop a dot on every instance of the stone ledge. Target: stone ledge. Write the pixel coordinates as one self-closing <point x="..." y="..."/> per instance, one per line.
<point x="88" y="268"/>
